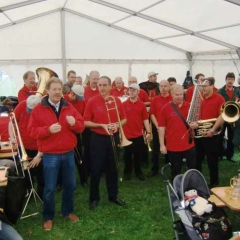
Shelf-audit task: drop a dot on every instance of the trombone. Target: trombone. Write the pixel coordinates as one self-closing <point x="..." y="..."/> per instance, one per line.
<point x="14" y="130"/>
<point x="124" y="142"/>
<point x="109" y="100"/>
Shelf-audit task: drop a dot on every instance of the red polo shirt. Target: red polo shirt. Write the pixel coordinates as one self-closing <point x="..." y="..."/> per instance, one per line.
<point x="25" y="92"/>
<point x="80" y="105"/>
<point x="189" y="94"/>
<point x="89" y="93"/>
<point x="143" y="96"/>
<point x="96" y="111"/>
<point x="136" y="113"/>
<point x="230" y="93"/>
<point x="157" y="103"/>
<point x="22" y="117"/>
<point x="175" y="129"/>
<point x="211" y="107"/>
<point x="4" y="120"/>
<point x="118" y="93"/>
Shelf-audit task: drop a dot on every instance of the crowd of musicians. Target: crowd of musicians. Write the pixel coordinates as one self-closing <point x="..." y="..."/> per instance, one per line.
<point x="74" y="124"/>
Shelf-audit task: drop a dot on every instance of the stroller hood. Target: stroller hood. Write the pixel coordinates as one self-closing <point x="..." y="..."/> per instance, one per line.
<point x="193" y="179"/>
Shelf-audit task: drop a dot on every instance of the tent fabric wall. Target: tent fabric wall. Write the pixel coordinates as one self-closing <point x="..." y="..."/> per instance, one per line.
<point x="120" y="37"/>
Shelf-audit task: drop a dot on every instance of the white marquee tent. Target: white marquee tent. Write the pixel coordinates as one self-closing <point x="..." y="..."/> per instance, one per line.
<point x="119" y="38"/>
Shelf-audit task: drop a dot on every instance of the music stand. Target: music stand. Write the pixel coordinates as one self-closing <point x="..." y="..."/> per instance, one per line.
<point x="35" y="195"/>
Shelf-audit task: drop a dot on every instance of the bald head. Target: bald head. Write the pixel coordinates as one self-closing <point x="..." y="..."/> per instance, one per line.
<point x="119" y="82"/>
<point x="164" y="87"/>
<point x="93" y="78"/>
<point x="176" y="87"/>
<point x="132" y="80"/>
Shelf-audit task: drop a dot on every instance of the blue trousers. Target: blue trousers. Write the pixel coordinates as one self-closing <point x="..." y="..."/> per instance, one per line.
<point x="7" y="232"/>
<point x="53" y="164"/>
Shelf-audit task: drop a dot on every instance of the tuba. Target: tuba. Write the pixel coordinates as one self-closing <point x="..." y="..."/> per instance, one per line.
<point x="194" y="111"/>
<point x="43" y="75"/>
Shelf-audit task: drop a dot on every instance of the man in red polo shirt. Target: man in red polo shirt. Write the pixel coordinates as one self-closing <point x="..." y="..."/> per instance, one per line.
<point x="120" y="89"/>
<point x="22" y="114"/>
<point x="29" y="87"/>
<point x="103" y="123"/>
<point x="142" y="94"/>
<point x="179" y="146"/>
<point x="76" y="98"/>
<point x="205" y="146"/>
<point x="156" y="105"/>
<point x="229" y="93"/>
<point x="189" y="93"/>
<point x="92" y="90"/>
<point x="137" y="120"/>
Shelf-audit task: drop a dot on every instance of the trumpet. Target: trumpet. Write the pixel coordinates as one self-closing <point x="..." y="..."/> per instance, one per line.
<point x="146" y="141"/>
<point x="24" y="158"/>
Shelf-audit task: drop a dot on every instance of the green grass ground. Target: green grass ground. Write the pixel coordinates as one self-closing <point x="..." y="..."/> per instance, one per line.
<point x="146" y="217"/>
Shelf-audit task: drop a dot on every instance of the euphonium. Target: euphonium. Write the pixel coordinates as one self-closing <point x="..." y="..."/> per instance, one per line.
<point x="230" y="111"/>
<point x="194" y="111"/>
<point x="43" y="75"/>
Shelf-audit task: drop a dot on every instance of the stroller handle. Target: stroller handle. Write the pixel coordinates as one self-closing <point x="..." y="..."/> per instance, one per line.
<point x="163" y="171"/>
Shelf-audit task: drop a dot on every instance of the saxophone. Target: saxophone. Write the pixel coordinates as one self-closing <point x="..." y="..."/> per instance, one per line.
<point x="194" y="114"/>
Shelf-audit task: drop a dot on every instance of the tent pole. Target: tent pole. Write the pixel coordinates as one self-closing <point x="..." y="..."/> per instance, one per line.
<point x="64" y="65"/>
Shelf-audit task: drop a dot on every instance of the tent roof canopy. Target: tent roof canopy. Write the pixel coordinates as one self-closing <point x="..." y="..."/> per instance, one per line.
<point x="189" y="26"/>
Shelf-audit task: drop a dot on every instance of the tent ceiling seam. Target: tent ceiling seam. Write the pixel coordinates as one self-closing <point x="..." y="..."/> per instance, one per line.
<point x="30" y="18"/>
<point x="113" y="6"/>
<point x="18" y="5"/>
<point x="201" y="31"/>
<point x="125" y="30"/>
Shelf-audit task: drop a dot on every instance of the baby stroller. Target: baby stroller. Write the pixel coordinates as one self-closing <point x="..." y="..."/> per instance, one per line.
<point x="192" y="179"/>
<point x="214" y="225"/>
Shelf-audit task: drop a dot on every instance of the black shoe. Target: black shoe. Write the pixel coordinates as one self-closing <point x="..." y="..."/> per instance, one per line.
<point x="127" y="177"/>
<point x="118" y="202"/>
<point x="141" y="177"/>
<point x="93" y="204"/>
<point x="152" y="174"/>
<point x="232" y="160"/>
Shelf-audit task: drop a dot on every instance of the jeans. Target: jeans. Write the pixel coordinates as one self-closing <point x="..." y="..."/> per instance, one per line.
<point x="7" y="232"/>
<point x="52" y="165"/>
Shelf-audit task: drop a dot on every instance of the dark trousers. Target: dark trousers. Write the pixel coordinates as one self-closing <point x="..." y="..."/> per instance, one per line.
<point x="208" y="147"/>
<point x="155" y="150"/>
<point x="80" y="161"/>
<point x="37" y="172"/>
<point x="229" y="151"/>
<point x="86" y="137"/>
<point x="177" y="158"/>
<point x="102" y="160"/>
<point x="132" y="156"/>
